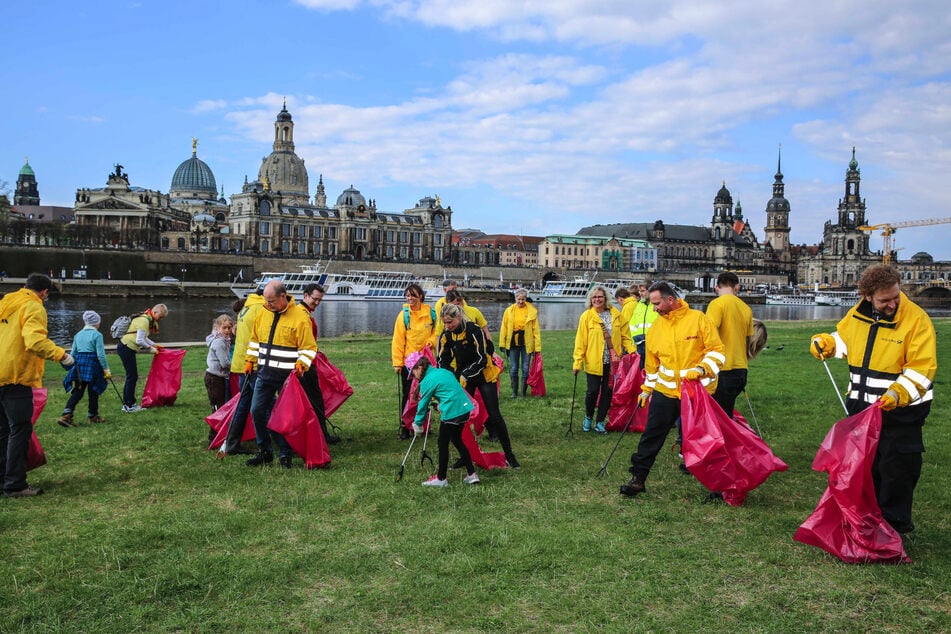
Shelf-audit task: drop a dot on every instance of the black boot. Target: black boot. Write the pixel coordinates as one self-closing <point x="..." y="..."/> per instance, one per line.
<point x="524" y="388"/>
<point x="514" y="386"/>
<point x="633" y="487"/>
<point x="260" y="458"/>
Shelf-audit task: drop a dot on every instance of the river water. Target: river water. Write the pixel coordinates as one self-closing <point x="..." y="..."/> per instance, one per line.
<point x="190" y="319"/>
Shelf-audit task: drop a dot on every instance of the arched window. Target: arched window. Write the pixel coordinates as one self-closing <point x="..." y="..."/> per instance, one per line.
<point x="265" y="208"/>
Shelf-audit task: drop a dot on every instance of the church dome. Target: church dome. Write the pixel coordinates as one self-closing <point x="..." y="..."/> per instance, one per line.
<point x="194" y="175"/>
<point x="26" y="170"/>
<point x="723" y="197"/>
<point x="351" y="197"/>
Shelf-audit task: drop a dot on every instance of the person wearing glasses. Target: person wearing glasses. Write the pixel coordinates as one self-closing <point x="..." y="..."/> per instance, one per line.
<point x="282" y="341"/>
<point x="25" y="345"/>
<point x="599" y="344"/>
<point x="414" y="329"/>
<point x="313" y="295"/>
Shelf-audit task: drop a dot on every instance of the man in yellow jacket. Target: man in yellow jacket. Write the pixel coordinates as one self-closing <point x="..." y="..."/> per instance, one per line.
<point x="891" y="348"/>
<point x="281" y="341"/>
<point x="25" y="345"/>
<point x="682" y="345"/>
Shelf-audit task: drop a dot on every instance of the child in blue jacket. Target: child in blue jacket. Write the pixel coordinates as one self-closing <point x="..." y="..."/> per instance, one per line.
<point x="455" y="406"/>
<point x="90" y="370"/>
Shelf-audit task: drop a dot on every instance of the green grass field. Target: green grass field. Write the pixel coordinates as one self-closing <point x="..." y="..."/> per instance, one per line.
<point x="142" y="529"/>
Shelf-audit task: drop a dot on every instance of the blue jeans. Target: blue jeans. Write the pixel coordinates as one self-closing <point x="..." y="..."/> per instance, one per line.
<point x="131" y="367"/>
<point x="265" y="389"/>
<point x="16" y="412"/>
<point x="518" y="358"/>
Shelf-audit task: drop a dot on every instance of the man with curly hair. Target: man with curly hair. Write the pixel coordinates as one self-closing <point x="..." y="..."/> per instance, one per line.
<point x="890" y="345"/>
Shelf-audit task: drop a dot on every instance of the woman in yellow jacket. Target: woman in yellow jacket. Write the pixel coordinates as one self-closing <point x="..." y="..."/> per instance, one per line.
<point x="519" y="338"/>
<point x="415" y="329"/>
<point x="600" y="340"/>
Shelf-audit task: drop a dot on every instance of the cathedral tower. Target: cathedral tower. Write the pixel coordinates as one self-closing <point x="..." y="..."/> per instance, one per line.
<point x="777" y="212"/>
<point x="26" y="191"/>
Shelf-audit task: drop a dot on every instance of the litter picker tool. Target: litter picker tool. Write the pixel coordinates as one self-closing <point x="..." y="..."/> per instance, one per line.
<point x="399" y="476"/>
<point x="604" y="467"/>
<point x="831" y="378"/>
<point x="752" y="413"/>
<point x="425" y="456"/>
<point x="571" y="416"/>
<point x="116" y="389"/>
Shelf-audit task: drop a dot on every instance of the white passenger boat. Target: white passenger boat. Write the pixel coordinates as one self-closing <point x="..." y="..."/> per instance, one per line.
<point x="792" y="299"/>
<point x="837" y="298"/>
<point x="353" y="285"/>
<point x="564" y="290"/>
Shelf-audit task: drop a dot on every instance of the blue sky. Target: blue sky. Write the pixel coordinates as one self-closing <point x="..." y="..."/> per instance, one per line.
<point x="532" y="117"/>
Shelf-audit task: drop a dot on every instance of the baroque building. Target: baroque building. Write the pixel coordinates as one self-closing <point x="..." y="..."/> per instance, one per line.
<point x="120" y="215"/>
<point x="194" y="190"/>
<point x="844" y="252"/>
<point x="274" y="215"/>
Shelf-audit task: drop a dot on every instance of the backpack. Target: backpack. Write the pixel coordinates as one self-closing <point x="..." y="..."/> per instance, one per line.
<point x="432" y="315"/>
<point x="120" y="327"/>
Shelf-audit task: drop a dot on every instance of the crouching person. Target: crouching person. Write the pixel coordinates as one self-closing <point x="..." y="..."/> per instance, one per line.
<point x="455" y="405"/>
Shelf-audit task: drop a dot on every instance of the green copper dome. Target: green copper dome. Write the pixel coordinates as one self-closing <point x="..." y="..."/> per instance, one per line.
<point x="26" y="170"/>
<point x="194" y="175"/>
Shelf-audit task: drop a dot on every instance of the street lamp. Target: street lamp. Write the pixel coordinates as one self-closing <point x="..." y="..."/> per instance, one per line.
<point x="184" y="270"/>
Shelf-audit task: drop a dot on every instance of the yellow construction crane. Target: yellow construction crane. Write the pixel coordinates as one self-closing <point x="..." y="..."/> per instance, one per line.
<point x="888" y="228"/>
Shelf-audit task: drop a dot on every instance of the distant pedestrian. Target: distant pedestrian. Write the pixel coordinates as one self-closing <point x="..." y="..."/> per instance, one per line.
<point x="91" y="371"/>
<point x="137" y="339"/>
<point x="25" y="344"/>
<point x="520" y="338"/>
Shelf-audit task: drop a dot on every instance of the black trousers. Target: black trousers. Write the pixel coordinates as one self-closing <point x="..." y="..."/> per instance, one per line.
<point x="490" y="396"/>
<point x="730" y="385"/>
<point x="311" y="384"/>
<point x="451" y="432"/>
<point x="599" y="393"/>
<point x="897" y="466"/>
<point x="663" y="413"/>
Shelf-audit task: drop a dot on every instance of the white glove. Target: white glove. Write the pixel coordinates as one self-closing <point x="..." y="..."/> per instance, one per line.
<point x="417" y="429"/>
<point x="67" y="361"/>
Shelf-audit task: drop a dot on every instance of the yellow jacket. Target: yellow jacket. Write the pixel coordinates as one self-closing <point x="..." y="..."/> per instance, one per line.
<point x="589" y="341"/>
<point x="242" y="330"/>
<point x="533" y="332"/>
<point x="279" y="341"/>
<point x="898" y="354"/>
<point x="24" y="340"/>
<point x="681" y="340"/>
<point x="421" y="333"/>
<point x="733" y="320"/>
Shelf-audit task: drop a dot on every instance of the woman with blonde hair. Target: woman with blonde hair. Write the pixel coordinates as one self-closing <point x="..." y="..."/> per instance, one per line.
<point x="599" y="342"/>
<point x="138" y="339"/>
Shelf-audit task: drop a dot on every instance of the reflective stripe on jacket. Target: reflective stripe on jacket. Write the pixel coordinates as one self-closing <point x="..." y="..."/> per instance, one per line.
<point x="642" y="318"/>
<point x="882" y="353"/>
<point x="679" y="341"/>
<point x="279" y="340"/>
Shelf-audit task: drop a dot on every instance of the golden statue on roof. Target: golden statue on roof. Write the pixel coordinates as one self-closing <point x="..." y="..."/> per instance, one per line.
<point x="194" y="145"/>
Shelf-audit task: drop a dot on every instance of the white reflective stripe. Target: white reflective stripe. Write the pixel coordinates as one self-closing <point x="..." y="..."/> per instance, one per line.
<point x="917" y="377"/>
<point x="712" y="368"/>
<point x="252" y="353"/>
<point x="672" y="385"/>
<point x="279" y="365"/>
<point x="913" y="389"/>
<point x="927" y="397"/>
<point x="310" y="354"/>
<point x="713" y="354"/>
<point x="871" y="398"/>
<point x="841" y="350"/>
<point x="279" y="353"/>
<point x="882" y="384"/>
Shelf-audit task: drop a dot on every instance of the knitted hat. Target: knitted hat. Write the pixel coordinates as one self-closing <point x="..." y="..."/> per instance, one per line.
<point x="91" y="318"/>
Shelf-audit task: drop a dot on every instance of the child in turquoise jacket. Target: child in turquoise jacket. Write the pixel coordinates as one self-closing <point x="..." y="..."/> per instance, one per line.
<point x="455" y="406"/>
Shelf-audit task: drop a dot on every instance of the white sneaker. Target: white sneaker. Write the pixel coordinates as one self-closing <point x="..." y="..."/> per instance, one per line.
<point x="472" y="479"/>
<point x="131" y="409"/>
<point x="435" y="482"/>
